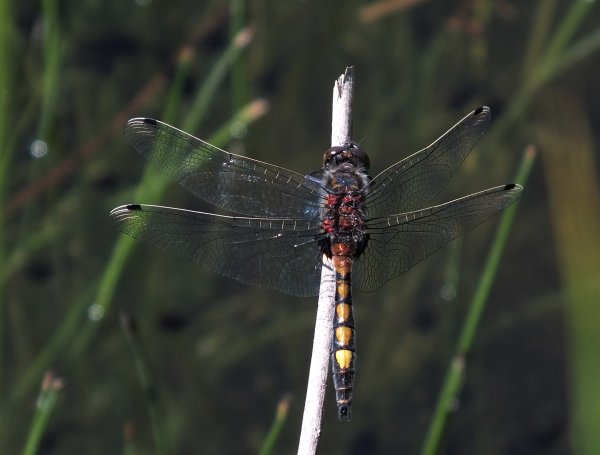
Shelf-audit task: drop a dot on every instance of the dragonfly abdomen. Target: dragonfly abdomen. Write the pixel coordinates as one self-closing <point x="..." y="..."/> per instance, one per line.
<point x="343" y="348"/>
<point x="344" y="221"/>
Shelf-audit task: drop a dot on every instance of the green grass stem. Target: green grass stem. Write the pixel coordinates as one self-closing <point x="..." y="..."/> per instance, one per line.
<point x="52" y="67"/>
<point x="565" y="133"/>
<point x="281" y="416"/>
<point x="579" y="51"/>
<point x="52" y="349"/>
<point x="205" y="95"/>
<point x="144" y="373"/>
<point x="455" y="374"/>
<point x="567" y="28"/>
<point x="151" y="189"/>
<point x="176" y="90"/>
<point x="50" y="82"/>
<point x="50" y="229"/>
<point x="154" y="184"/>
<point x="538" y="36"/>
<point x="239" y="86"/>
<point x="45" y="405"/>
<point x="555" y="60"/>
<point x="6" y="88"/>
<point x="71" y="325"/>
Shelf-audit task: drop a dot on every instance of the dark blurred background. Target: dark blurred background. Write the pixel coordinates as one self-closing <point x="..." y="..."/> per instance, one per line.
<point x="216" y="357"/>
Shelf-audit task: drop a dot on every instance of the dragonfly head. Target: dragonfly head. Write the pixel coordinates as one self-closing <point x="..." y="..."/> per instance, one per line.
<point x="347" y="155"/>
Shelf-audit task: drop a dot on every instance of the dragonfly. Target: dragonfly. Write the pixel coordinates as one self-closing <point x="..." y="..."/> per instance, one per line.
<point x="279" y="224"/>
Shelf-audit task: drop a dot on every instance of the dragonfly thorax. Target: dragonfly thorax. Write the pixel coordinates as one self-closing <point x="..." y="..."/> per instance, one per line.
<point x="344" y="214"/>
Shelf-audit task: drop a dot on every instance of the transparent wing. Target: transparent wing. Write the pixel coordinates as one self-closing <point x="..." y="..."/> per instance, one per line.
<point x="233" y="182"/>
<point x="413" y="182"/>
<point x="398" y="242"/>
<point x="280" y="254"/>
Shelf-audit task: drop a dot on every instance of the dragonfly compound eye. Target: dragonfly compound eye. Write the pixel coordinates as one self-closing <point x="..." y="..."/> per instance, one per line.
<point x="361" y="159"/>
<point x="332" y="154"/>
<point x="347" y="153"/>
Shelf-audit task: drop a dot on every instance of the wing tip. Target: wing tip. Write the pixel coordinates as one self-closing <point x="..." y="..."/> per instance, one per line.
<point x="482" y="112"/>
<point x="127" y="207"/>
<point x="147" y="120"/>
<point x="138" y="121"/>
<point x="119" y="212"/>
<point x="513" y="186"/>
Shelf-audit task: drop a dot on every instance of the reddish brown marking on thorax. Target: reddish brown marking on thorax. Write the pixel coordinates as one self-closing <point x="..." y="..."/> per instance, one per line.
<point x="344" y="215"/>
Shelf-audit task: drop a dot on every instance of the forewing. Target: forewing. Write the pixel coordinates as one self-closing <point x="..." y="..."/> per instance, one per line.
<point x="413" y="182"/>
<point x="233" y="182"/>
<point x="400" y="241"/>
<point x="280" y="254"/>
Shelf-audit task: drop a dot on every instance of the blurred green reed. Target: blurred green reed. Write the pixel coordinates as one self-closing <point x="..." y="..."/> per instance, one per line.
<point x="541" y="66"/>
<point x="154" y="183"/>
<point x="73" y="336"/>
<point x="281" y="415"/>
<point x="50" y="88"/>
<point x="458" y="368"/>
<point x="400" y="75"/>
<point x="46" y="403"/>
<point x="544" y="64"/>
<point x="239" y="78"/>
<point x="148" y="384"/>
<point x="6" y="82"/>
<point x="575" y="217"/>
<point x="51" y="72"/>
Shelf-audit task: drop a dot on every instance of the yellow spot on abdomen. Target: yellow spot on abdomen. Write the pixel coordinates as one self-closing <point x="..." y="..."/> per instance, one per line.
<point x="343" y="289"/>
<point x="343" y="358"/>
<point x="343" y="335"/>
<point x="342" y="266"/>
<point x="343" y="311"/>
